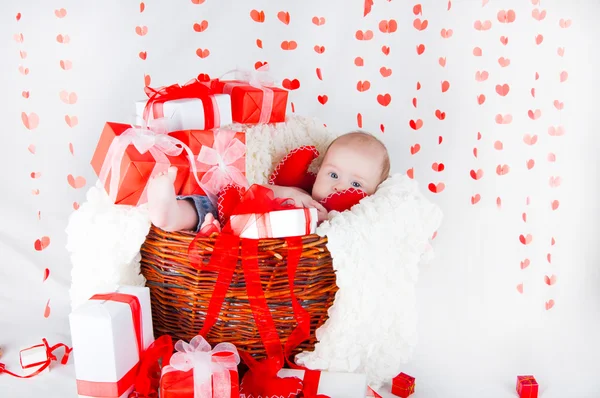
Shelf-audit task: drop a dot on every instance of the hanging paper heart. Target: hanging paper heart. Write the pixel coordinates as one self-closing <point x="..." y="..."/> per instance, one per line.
<point x="292" y="171"/>
<point x="343" y="200"/>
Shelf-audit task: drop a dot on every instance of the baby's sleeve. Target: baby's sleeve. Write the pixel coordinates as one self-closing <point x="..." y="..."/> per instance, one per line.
<point x="203" y="207"/>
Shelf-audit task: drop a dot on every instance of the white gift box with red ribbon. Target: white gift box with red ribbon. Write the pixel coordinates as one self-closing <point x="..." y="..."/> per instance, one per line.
<point x="275" y="224"/>
<point x="333" y="384"/>
<point x="31" y="358"/>
<point x="109" y="332"/>
<point x="188" y="114"/>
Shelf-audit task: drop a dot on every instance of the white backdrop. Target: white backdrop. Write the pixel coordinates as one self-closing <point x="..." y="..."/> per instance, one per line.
<point x="490" y="307"/>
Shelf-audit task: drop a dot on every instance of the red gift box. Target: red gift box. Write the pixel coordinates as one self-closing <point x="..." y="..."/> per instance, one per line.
<point x="403" y="385"/>
<point x="527" y="387"/>
<point x="229" y="147"/>
<point x="195" y="366"/>
<point x="120" y="165"/>
<point x="252" y="104"/>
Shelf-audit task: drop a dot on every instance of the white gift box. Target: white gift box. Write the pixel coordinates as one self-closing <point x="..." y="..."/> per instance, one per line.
<point x="32" y="358"/>
<point x="347" y="385"/>
<point x="105" y="343"/>
<point x="188" y="114"/>
<point x="275" y="224"/>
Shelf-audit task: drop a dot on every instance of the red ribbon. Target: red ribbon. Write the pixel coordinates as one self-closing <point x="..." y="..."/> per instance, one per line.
<point x="49" y="355"/>
<point x="116" y="389"/>
<point x="311" y="384"/>
<point x="192" y="89"/>
<point x="154" y="358"/>
<point x="256" y="202"/>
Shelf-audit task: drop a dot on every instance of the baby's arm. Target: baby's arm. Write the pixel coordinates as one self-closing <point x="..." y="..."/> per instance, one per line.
<point x="300" y="198"/>
<point x="166" y="212"/>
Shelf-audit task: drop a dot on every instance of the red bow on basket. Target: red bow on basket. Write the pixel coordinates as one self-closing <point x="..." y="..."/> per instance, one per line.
<point x="261" y="379"/>
<point x="44" y="364"/>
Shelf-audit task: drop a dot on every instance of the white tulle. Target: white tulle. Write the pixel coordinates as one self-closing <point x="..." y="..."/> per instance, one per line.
<point x="376" y="247"/>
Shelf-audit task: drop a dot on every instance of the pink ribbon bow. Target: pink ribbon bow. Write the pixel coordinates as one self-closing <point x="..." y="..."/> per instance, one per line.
<point x="219" y="163"/>
<point x="154" y="140"/>
<point x="211" y="371"/>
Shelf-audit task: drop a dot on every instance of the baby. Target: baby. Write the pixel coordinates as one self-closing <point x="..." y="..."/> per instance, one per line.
<point x="354" y="160"/>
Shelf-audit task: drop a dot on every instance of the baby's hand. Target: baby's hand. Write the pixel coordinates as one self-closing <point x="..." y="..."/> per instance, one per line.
<point x="302" y="199"/>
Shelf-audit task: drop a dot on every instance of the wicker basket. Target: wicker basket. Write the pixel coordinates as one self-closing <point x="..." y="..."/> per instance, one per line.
<point x="180" y="293"/>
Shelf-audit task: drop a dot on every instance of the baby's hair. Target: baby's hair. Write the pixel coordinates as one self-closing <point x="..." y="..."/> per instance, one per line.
<point x="364" y="137"/>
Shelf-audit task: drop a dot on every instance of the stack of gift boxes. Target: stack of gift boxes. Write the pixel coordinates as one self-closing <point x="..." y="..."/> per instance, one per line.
<point x="188" y="126"/>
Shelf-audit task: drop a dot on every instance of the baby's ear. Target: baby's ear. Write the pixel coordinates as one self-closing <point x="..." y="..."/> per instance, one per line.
<point x="292" y="171"/>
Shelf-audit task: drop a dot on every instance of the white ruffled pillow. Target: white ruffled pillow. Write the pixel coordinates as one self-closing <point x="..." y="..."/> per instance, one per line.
<point x="376" y="248"/>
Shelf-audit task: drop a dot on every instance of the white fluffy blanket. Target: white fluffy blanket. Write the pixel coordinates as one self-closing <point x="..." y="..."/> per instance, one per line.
<point x="376" y="248"/>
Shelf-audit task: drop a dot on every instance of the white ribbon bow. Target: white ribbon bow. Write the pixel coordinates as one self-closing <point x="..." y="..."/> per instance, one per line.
<point x="154" y="140"/>
<point x="218" y="162"/>
<point x="211" y="368"/>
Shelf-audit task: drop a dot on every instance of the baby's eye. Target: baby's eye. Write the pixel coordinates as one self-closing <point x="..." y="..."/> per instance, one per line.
<point x="333" y="175"/>
<point x="356" y="184"/>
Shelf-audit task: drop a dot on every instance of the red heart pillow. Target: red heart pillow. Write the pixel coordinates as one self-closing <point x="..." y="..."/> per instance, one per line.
<point x="292" y="171"/>
<point x="343" y="200"/>
<point x="229" y="198"/>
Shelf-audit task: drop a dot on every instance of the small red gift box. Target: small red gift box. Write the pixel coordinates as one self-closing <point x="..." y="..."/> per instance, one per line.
<point x="197" y="371"/>
<point x="252" y="104"/>
<point x="221" y="156"/>
<point x="403" y="385"/>
<point x="125" y="171"/>
<point x="527" y="387"/>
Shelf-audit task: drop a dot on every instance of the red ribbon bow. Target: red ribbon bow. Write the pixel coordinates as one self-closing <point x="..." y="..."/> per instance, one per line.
<point x="43" y="365"/>
<point x="258" y="201"/>
<point x="192" y="89"/>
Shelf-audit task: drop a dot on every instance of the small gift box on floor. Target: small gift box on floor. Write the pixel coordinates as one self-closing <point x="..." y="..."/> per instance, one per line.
<point x="191" y="106"/>
<point x="527" y="387"/>
<point x="33" y="357"/>
<point x="220" y="156"/>
<point x="126" y="158"/>
<point x="254" y="100"/>
<point x="109" y="333"/>
<point x="196" y="371"/>
<point x="403" y="385"/>
<point x="332" y="384"/>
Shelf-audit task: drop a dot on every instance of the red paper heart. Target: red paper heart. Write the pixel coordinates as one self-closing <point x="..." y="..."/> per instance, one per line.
<point x="343" y="200"/>
<point x="292" y="171"/>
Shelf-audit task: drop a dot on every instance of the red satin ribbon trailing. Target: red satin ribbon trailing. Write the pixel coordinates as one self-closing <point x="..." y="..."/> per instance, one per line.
<point x="116" y="389"/>
<point x="311" y="384"/>
<point x="192" y="89"/>
<point x="50" y="357"/>
<point x="147" y="381"/>
<point x="259" y="201"/>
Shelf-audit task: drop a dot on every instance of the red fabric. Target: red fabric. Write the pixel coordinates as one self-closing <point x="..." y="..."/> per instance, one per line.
<point x="292" y="171"/>
<point x="154" y="358"/>
<point x="343" y="200"/>
<point x="229" y="198"/>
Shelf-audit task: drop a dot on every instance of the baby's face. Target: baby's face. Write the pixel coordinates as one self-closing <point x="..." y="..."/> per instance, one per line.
<point x="348" y="165"/>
